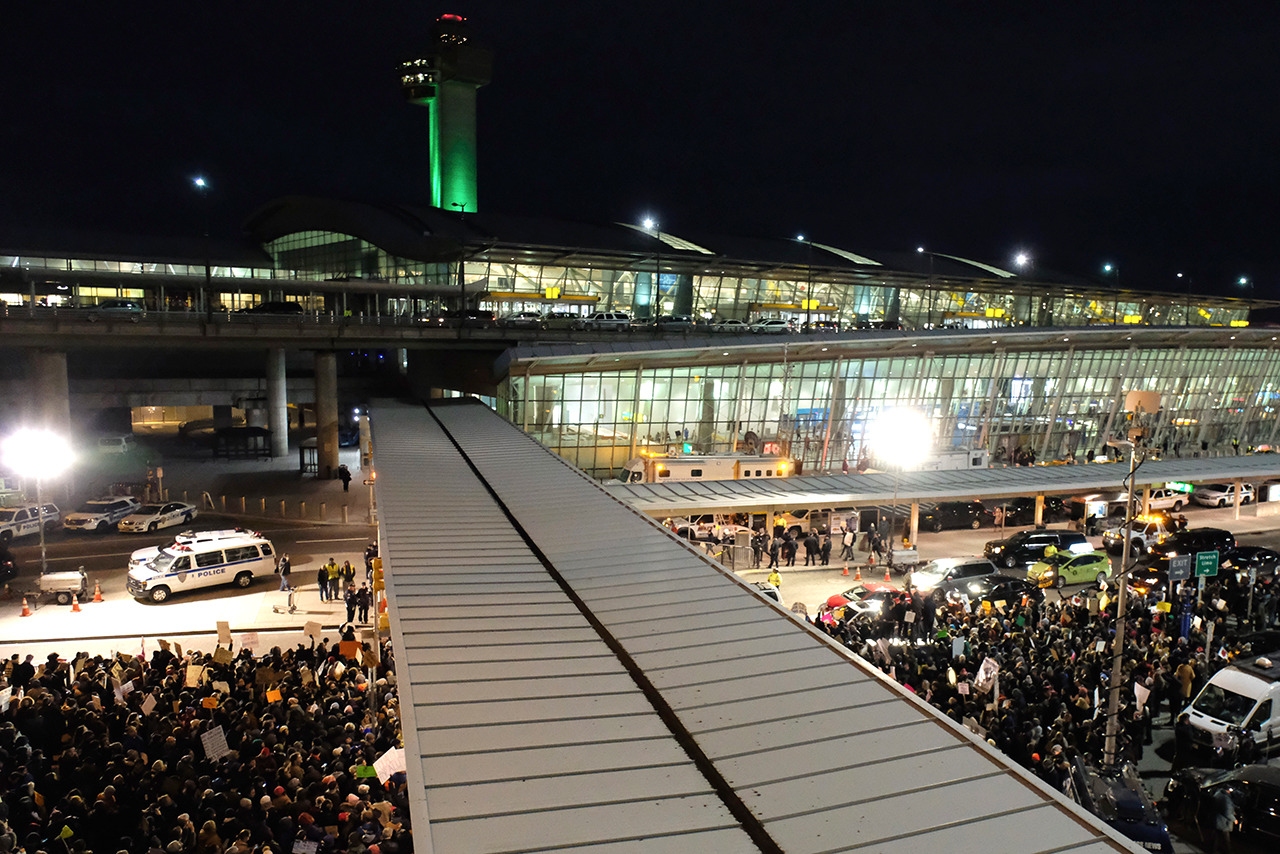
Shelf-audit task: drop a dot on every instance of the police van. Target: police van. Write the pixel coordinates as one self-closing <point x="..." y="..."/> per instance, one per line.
<point x="190" y="566"/>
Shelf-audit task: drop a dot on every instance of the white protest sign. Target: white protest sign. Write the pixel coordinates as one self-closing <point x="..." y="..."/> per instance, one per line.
<point x="215" y="743"/>
<point x="148" y="704"/>
<point x="387" y="764"/>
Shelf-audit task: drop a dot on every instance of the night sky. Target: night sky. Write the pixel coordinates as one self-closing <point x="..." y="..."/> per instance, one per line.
<point x="1140" y="133"/>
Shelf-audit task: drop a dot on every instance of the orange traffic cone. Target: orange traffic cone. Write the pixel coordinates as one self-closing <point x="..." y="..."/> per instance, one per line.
<point x="26" y="610"/>
<point x="97" y="592"/>
<point x="887" y="579"/>
<point x="857" y="573"/>
<point x="846" y="568"/>
<point x="75" y="603"/>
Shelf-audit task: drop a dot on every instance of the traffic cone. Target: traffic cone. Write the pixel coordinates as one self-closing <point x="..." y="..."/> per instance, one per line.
<point x="846" y="568"/>
<point x="26" y="610"/>
<point x="97" y="592"/>
<point x="75" y="603"/>
<point x="887" y="579"/>
<point x="857" y="573"/>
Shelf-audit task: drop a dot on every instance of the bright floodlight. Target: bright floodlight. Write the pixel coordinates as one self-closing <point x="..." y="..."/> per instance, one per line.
<point x="1107" y="268"/>
<point x="649" y="223"/>
<point x="200" y="182"/>
<point x="800" y="237"/>
<point x="901" y="437"/>
<point x="1244" y="280"/>
<point x="1022" y="259"/>
<point x="920" y="249"/>
<point x="36" y="453"/>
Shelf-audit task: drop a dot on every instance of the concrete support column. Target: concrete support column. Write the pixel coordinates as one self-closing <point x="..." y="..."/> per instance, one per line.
<point x="1039" y="510"/>
<point x="277" y="402"/>
<point x="915" y="523"/>
<point x="53" y="393"/>
<point x="326" y="370"/>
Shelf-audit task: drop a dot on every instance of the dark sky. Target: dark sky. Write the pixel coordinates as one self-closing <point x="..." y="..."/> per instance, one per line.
<point x="1142" y="133"/>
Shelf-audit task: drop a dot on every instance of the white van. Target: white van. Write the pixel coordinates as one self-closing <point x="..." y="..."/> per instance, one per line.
<point x="115" y="444"/>
<point x="1244" y="696"/>
<point x="181" y="567"/>
<point x="187" y="538"/>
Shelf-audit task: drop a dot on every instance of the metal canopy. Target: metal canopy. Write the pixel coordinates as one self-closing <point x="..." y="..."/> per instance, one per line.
<point x="573" y="676"/>
<point x="851" y="490"/>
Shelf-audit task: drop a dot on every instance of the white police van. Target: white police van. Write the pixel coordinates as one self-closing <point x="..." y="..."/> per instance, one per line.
<point x="191" y="566"/>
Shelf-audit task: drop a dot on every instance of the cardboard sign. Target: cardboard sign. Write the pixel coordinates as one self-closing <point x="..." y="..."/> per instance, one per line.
<point x="6" y="697"/>
<point x="215" y="743"/>
<point x="963" y="688"/>
<point x="224" y="632"/>
<point x="149" y="704"/>
<point x="1000" y="605"/>
<point x="164" y="644"/>
<point x="222" y="655"/>
<point x="209" y="702"/>
<point x="1141" y="693"/>
<point x="274" y="696"/>
<point x="249" y="640"/>
<point x="307" y="676"/>
<point x="391" y="762"/>
<point x="312" y="630"/>
<point x="349" y="650"/>
<point x="304" y="846"/>
<point x="266" y="676"/>
<point x="1164" y="606"/>
<point x="957" y="647"/>
<point x="909" y="617"/>
<point x="195" y="675"/>
<point x="222" y="686"/>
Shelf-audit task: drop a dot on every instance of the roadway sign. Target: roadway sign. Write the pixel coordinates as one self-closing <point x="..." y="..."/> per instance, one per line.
<point x="1206" y="563"/>
<point x="1180" y="568"/>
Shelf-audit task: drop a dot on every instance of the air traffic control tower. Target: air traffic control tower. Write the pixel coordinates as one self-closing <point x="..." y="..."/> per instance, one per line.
<point x="444" y="79"/>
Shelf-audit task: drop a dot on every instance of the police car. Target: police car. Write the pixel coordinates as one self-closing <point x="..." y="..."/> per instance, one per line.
<point x="152" y="517"/>
<point x="24" y="520"/>
<point x="99" y="514"/>
<point x="181" y="567"/>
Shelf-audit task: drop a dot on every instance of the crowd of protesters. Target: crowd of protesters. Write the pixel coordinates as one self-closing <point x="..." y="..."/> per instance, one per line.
<point x="1050" y="663"/>
<point x="126" y="754"/>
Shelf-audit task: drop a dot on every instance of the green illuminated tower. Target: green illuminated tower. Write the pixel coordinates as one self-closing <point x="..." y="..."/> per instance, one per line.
<point x="444" y="79"/>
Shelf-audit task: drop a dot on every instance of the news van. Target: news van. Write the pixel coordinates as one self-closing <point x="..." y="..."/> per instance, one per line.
<point x="192" y="566"/>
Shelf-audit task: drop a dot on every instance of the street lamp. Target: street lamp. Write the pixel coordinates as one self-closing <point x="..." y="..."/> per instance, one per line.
<point x="1117" y="642"/>
<point x="1186" y="321"/>
<point x="808" y="292"/>
<point x="1022" y="259"/>
<point x="39" y="454"/>
<point x="203" y="186"/>
<point x="1112" y="271"/>
<point x="462" y="279"/>
<point x="902" y="438"/>
<point x="651" y="225"/>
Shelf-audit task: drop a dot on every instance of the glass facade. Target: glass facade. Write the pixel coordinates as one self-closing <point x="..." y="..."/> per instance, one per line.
<point x="1061" y="404"/>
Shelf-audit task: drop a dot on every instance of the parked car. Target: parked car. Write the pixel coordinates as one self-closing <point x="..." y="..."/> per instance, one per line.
<point x="1221" y="494"/>
<point x="772" y="326"/>
<point x="1118" y="797"/>
<point x="736" y="327"/>
<point x="152" y="517"/>
<point x="1165" y="499"/>
<point x="926" y="579"/>
<point x="821" y="326"/>
<point x="124" y="309"/>
<point x="1142" y="534"/>
<point x="472" y="318"/>
<point x="558" y="320"/>
<point x="1262" y="561"/>
<point x="100" y="514"/>
<point x="1254" y="789"/>
<point x="521" y="320"/>
<point x="1027" y="547"/>
<point x="25" y="519"/>
<point x="116" y="444"/>
<point x="954" y="514"/>
<point x="674" y="323"/>
<point x="1191" y="541"/>
<point x="606" y="321"/>
<point x="870" y="600"/>
<point x="1069" y="568"/>
<point x="1022" y="510"/>
<point x="990" y="588"/>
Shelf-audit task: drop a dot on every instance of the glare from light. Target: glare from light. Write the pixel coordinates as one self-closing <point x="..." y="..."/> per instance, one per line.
<point x="200" y="182"/>
<point x="1107" y="268"/>
<point x="1022" y="259"/>
<point x="800" y="237"/>
<point x="1244" y="280"/>
<point x="36" y="453"/>
<point x="901" y="437"/>
<point x="920" y="249"/>
<point x="650" y="223"/>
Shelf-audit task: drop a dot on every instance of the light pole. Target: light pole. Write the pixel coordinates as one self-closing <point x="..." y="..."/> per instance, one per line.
<point x="462" y="279"/>
<point x="1117" y="644"/>
<point x="38" y="454"/>
<point x="901" y="438"/>
<point x="1112" y="271"/>
<point x="808" y="291"/>
<point x="920" y="250"/>
<point x="1186" y="320"/>
<point x="651" y="225"/>
<point x="203" y="186"/>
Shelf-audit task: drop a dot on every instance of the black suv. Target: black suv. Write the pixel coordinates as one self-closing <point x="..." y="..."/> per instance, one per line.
<point x="1189" y="542"/>
<point x="1027" y="547"/>
<point x="954" y="514"/>
<point x="1022" y="510"/>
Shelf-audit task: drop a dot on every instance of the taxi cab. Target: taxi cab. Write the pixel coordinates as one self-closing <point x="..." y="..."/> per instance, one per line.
<point x="1142" y="534"/>
<point x="1069" y="568"/>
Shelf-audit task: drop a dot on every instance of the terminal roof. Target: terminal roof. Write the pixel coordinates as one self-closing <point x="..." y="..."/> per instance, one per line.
<point x="851" y="490"/>
<point x="574" y="676"/>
